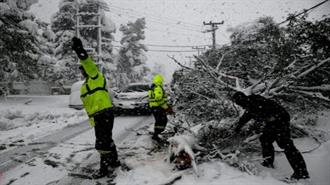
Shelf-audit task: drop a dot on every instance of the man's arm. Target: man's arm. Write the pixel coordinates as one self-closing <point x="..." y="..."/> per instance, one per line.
<point x="242" y="121"/>
<point x="86" y="61"/>
<point x="90" y="67"/>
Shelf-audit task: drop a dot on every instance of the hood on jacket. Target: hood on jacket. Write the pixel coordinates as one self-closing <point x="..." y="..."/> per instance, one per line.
<point x="158" y="80"/>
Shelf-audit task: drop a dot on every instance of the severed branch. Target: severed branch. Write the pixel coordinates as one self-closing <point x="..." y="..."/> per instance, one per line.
<point x="177" y="62"/>
<point x="313" y="95"/>
<point x="212" y="73"/>
<point x="324" y="87"/>
<point x="313" y="68"/>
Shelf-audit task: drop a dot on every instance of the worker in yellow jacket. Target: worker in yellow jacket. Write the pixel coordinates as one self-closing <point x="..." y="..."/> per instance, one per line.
<point x="97" y="103"/>
<point x="158" y="104"/>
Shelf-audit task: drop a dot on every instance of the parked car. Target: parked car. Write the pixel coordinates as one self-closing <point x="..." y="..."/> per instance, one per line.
<point x="74" y="99"/>
<point x="132" y="99"/>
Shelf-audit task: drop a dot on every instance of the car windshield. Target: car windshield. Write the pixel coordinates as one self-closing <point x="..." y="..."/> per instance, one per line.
<point x="136" y="88"/>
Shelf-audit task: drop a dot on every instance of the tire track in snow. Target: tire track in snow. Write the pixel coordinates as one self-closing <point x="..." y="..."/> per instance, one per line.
<point x="118" y="137"/>
<point x="14" y="157"/>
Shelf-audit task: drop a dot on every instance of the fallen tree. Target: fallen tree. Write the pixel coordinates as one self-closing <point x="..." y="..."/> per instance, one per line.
<point x="295" y="77"/>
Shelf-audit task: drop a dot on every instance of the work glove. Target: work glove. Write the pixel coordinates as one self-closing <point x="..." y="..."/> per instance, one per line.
<point x="79" y="49"/>
<point x="169" y="110"/>
<point x="237" y="129"/>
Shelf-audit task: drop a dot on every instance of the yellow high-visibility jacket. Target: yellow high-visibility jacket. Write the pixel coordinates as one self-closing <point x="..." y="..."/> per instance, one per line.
<point x="94" y="91"/>
<point x="157" y="96"/>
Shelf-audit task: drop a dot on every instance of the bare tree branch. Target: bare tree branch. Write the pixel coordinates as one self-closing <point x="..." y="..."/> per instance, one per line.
<point x="313" y="68"/>
<point x="177" y="62"/>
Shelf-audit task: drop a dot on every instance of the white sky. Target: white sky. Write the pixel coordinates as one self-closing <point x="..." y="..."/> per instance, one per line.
<point x="180" y="22"/>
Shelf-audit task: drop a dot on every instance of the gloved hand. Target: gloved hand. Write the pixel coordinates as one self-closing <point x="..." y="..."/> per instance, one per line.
<point x="237" y="129"/>
<point x="79" y="49"/>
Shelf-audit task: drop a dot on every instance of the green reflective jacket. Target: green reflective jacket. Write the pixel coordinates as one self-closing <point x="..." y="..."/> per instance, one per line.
<point x="157" y="96"/>
<point x="94" y="91"/>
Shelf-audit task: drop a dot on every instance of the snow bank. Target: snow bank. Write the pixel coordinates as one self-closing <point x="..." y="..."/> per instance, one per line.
<point x="30" y="117"/>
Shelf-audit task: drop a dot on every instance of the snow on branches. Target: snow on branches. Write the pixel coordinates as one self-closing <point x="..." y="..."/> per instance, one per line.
<point x="273" y="62"/>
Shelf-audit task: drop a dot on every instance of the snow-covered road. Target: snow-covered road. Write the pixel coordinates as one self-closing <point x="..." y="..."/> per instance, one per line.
<point x="42" y="139"/>
<point x="50" y="158"/>
<point x="41" y="142"/>
<point x="26" y="152"/>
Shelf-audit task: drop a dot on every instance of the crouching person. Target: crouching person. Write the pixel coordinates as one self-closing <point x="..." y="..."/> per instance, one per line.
<point x="158" y="105"/>
<point x="97" y="103"/>
<point x="276" y="129"/>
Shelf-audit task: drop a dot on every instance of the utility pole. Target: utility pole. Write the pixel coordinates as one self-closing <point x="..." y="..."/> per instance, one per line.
<point x="97" y="26"/>
<point x="214" y="27"/>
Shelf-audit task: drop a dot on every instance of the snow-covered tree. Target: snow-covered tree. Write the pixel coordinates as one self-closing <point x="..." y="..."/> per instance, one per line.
<point x="287" y="64"/>
<point x="132" y="56"/>
<point x="63" y="24"/>
<point x="21" y="42"/>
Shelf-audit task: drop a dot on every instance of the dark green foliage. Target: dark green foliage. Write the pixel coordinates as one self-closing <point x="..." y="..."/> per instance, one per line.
<point x="18" y="51"/>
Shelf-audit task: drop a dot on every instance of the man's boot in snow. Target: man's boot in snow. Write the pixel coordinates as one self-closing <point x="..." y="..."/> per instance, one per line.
<point x="156" y="137"/>
<point x="103" y="171"/>
<point x="267" y="164"/>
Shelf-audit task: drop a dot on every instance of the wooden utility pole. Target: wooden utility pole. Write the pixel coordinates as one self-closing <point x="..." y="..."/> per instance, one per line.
<point x="214" y="27"/>
<point x="97" y="26"/>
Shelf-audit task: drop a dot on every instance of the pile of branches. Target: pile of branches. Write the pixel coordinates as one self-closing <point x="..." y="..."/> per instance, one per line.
<point x="277" y="63"/>
<point x="202" y="96"/>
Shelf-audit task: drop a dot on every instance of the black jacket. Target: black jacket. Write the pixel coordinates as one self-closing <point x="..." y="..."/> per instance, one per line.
<point x="262" y="109"/>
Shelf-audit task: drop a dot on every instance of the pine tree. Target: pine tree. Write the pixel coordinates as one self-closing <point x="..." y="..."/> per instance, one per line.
<point x="63" y="24"/>
<point x="132" y="53"/>
<point x="21" y="44"/>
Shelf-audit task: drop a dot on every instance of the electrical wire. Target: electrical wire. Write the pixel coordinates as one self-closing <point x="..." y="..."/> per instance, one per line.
<point x="173" y="46"/>
<point x="303" y="12"/>
<point x="157" y="17"/>
<point x="178" y="26"/>
<point x="161" y="50"/>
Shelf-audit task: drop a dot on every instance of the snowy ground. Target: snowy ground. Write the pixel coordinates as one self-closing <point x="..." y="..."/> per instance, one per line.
<point x="44" y="119"/>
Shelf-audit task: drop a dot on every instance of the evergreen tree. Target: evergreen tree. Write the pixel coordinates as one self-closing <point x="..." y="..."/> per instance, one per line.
<point x="132" y="53"/>
<point x="63" y="24"/>
<point x="21" y="45"/>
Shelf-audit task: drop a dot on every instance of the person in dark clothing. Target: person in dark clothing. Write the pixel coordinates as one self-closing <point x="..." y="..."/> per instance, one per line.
<point x="277" y="128"/>
<point x="98" y="105"/>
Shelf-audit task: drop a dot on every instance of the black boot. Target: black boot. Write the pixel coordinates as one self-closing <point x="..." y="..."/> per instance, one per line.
<point x="113" y="157"/>
<point x="100" y="174"/>
<point x="103" y="171"/>
<point x="156" y="137"/>
<point x="297" y="163"/>
<point x="267" y="164"/>
<point x="296" y="176"/>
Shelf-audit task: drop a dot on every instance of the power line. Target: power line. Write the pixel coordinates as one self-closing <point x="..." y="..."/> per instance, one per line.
<point x="164" y="50"/>
<point x="173" y="51"/>
<point x="162" y="31"/>
<point x="303" y="12"/>
<point x="173" y="46"/>
<point x="157" y="17"/>
<point x="176" y="46"/>
<point x="160" y="22"/>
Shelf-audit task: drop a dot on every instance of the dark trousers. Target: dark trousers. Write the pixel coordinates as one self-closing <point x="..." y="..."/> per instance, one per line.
<point x="160" y="120"/>
<point x="279" y="131"/>
<point x="103" y="134"/>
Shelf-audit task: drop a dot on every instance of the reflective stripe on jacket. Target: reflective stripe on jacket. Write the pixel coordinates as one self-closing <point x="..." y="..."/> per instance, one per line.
<point x="94" y="91"/>
<point x="157" y="97"/>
